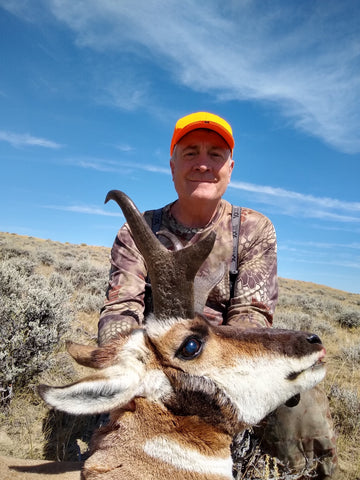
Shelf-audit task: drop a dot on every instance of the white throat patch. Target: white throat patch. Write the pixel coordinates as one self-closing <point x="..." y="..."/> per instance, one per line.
<point x="182" y="458"/>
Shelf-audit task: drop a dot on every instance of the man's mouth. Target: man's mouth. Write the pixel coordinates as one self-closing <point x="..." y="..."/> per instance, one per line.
<point x="203" y="180"/>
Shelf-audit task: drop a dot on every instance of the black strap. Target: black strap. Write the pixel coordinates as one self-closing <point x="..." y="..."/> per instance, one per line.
<point x="235" y="221"/>
<point x="156" y="220"/>
<point x="155" y="227"/>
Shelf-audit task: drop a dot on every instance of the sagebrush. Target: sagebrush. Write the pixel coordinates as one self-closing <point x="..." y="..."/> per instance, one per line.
<point x="51" y="291"/>
<point x="34" y="314"/>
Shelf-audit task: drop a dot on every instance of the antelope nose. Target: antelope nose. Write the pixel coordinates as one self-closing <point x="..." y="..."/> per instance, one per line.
<point x="313" y="339"/>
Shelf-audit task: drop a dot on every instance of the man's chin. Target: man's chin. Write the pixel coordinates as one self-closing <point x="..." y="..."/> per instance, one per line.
<point x="206" y="189"/>
<point x="204" y="194"/>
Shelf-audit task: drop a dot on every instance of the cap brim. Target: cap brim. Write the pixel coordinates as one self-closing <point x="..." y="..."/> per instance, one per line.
<point x="202" y="124"/>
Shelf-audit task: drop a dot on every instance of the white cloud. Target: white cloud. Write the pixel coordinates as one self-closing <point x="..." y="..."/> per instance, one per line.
<point x="105" y="165"/>
<point x="24" y="140"/>
<point x="335" y="263"/>
<point x="320" y="253"/>
<point x="327" y="245"/>
<point x="100" y="166"/>
<point x="125" y="93"/>
<point x="303" y="59"/>
<point x="301" y="197"/>
<point x="154" y="169"/>
<point x="124" y="148"/>
<point x="89" y="210"/>
<point x="287" y="202"/>
<point x="301" y="205"/>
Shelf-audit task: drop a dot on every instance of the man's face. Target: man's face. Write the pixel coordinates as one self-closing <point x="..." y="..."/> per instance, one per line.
<point x="201" y="166"/>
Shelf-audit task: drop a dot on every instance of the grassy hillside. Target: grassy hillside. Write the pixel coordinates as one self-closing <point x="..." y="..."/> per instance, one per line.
<point x="51" y="292"/>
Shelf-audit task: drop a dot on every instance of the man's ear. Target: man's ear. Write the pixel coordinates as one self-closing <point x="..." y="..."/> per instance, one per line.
<point x="172" y="167"/>
<point x="231" y="167"/>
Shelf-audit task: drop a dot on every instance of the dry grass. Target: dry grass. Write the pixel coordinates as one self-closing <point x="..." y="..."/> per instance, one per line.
<point x="320" y="309"/>
<point x="26" y="428"/>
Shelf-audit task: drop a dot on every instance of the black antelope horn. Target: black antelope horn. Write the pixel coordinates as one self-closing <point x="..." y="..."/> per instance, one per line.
<point x="176" y="244"/>
<point x="172" y="274"/>
<point x="204" y="284"/>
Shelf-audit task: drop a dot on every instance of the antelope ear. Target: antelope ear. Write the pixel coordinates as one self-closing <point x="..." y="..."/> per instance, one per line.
<point x="93" y="395"/>
<point x="82" y="354"/>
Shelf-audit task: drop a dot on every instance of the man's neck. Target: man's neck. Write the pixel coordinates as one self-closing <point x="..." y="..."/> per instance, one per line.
<point x="195" y="215"/>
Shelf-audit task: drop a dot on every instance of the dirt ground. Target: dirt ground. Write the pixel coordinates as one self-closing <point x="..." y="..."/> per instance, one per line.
<point x="19" y="469"/>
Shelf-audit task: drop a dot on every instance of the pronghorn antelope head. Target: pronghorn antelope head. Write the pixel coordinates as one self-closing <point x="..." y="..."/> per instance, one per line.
<point x="178" y="389"/>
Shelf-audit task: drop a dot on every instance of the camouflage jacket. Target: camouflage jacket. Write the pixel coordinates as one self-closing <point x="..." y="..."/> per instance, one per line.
<point x="255" y="292"/>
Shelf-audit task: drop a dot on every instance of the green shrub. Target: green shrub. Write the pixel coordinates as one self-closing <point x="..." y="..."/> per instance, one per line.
<point x="86" y="272"/>
<point x="297" y="320"/>
<point x="89" y="303"/>
<point x="60" y="282"/>
<point x="294" y="320"/>
<point x="345" y="405"/>
<point x="33" y="315"/>
<point x="45" y="256"/>
<point x="351" y="354"/>
<point x="310" y="304"/>
<point x="349" y="318"/>
<point x="64" y="266"/>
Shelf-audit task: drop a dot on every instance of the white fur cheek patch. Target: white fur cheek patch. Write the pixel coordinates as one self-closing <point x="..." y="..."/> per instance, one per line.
<point x="182" y="458"/>
<point x="156" y="386"/>
<point x="259" y="385"/>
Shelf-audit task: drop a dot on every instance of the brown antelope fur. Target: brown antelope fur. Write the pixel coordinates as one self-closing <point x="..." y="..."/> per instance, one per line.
<point x="178" y="389"/>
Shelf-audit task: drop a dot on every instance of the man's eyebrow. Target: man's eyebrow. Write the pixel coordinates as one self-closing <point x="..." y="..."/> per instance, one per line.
<point x="191" y="147"/>
<point x="217" y="147"/>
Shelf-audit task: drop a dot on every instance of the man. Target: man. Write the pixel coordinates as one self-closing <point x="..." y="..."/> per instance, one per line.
<point x="201" y="164"/>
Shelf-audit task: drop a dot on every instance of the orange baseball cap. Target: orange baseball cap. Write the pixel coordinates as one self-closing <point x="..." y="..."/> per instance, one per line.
<point x="202" y="120"/>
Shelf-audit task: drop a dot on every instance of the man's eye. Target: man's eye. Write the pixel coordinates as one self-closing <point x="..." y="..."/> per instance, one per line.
<point x="217" y="156"/>
<point x="191" y="348"/>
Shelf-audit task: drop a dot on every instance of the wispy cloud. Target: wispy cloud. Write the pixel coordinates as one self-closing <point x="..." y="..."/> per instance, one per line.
<point x="86" y="209"/>
<point x="106" y="165"/>
<point x="93" y="164"/>
<point x="300" y="204"/>
<point x="126" y="94"/>
<point x="320" y="253"/>
<point x="352" y="263"/>
<point x="303" y="59"/>
<point x="327" y="245"/>
<point x="23" y="140"/>
<point x="287" y="202"/>
<point x="282" y="193"/>
<point x="124" y="147"/>
<point x="155" y="169"/>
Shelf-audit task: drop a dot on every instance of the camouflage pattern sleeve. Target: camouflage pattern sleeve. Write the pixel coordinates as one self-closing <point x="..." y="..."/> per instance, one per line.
<point x="255" y="292"/>
<point x="256" y="288"/>
<point x="124" y="304"/>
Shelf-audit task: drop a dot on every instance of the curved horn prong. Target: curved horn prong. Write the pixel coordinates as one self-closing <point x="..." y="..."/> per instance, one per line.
<point x="172" y="274"/>
<point x="203" y="286"/>
<point x="142" y="233"/>
<point x="176" y="244"/>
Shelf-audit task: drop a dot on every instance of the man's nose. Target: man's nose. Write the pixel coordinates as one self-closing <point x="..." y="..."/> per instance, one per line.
<point x="201" y="167"/>
<point x="202" y="163"/>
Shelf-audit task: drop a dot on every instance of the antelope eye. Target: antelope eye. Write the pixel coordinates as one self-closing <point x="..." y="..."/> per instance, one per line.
<point x="191" y="348"/>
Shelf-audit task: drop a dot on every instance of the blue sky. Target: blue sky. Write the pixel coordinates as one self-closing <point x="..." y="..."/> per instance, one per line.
<point x="90" y="91"/>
